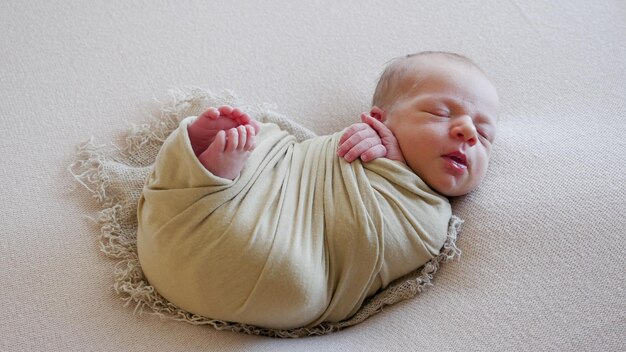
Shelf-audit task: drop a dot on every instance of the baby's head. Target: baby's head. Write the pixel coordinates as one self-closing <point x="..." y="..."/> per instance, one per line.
<point x="442" y="109"/>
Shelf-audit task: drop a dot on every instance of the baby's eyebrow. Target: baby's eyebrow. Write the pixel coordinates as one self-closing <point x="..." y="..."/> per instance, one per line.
<point x="438" y="98"/>
<point x="453" y="103"/>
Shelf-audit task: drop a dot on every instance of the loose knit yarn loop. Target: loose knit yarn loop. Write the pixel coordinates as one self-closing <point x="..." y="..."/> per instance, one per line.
<point x="114" y="176"/>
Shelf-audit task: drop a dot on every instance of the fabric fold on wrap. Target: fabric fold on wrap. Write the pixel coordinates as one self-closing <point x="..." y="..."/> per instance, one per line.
<point x="299" y="238"/>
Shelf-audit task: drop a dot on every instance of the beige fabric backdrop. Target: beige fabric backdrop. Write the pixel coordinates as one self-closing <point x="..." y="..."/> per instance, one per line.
<point x="544" y="256"/>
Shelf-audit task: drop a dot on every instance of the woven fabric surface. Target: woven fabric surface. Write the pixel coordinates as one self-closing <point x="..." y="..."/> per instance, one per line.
<point x="544" y="250"/>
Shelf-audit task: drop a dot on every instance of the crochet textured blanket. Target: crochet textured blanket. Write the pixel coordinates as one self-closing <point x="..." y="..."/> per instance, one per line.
<point x="315" y="282"/>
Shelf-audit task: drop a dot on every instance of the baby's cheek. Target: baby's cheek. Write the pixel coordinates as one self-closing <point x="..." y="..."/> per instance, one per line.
<point x="480" y="171"/>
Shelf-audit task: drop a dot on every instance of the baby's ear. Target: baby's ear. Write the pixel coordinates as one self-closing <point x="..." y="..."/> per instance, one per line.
<point x="378" y="113"/>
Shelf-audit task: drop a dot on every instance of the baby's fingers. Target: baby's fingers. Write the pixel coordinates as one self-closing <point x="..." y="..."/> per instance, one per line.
<point x="389" y="141"/>
<point x="350" y="131"/>
<point x="375" y="152"/>
<point x="383" y="131"/>
<point x="368" y="135"/>
<point x="360" y="148"/>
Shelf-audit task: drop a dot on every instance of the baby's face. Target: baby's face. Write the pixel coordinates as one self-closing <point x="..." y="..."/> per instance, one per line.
<point x="446" y="125"/>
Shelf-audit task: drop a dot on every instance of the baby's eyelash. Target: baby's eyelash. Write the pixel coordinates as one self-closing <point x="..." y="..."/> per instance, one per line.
<point x="440" y="113"/>
<point x="484" y="135"/>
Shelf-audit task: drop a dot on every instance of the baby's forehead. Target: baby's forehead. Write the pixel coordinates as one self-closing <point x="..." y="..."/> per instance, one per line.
<point x="407" y="73"/>
<point x="445" y="70"/>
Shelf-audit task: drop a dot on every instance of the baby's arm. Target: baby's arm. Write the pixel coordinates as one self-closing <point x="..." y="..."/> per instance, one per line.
<point x="368" y="140"/>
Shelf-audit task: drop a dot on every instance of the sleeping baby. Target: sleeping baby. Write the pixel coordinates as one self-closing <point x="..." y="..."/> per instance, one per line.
<point x="240" y="222"/>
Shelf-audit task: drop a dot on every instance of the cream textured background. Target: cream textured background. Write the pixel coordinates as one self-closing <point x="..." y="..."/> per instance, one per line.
<point x="544" y="256"/>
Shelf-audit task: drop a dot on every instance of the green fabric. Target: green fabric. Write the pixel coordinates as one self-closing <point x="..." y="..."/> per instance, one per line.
<point x="299" y="238"/>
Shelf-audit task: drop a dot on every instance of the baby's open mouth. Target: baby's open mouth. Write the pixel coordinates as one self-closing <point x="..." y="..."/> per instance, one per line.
<point x="458" y="158"/>
<point x="456" y="163"/>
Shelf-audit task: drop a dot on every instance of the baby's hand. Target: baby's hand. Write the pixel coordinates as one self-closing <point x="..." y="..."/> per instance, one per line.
<point x="360" y="141"/>
<point x="368" y="140"/>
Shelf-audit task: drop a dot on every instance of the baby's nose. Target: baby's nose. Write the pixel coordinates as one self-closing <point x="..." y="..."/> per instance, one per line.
<point x="465" y="131"/>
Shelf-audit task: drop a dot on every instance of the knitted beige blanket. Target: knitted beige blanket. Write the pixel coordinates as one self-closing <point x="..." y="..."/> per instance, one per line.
<point x="115" y="176"/>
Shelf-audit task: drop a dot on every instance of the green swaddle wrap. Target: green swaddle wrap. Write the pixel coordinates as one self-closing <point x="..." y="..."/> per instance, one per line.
<point x="299" y="238"/>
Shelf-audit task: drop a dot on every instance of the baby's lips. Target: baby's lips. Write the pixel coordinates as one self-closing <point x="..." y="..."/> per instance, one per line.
<point x="458" y="157"/>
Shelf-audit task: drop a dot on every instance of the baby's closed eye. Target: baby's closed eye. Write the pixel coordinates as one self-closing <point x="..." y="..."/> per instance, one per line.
<point x="439" y="112"/>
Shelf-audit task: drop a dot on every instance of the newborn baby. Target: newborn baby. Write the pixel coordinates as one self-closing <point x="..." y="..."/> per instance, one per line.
<point x="239" y="222"/>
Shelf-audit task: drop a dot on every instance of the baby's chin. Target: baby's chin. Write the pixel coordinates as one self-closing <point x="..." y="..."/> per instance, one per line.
<point x="450" y="187"/>
<point x="453" y="192"/>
